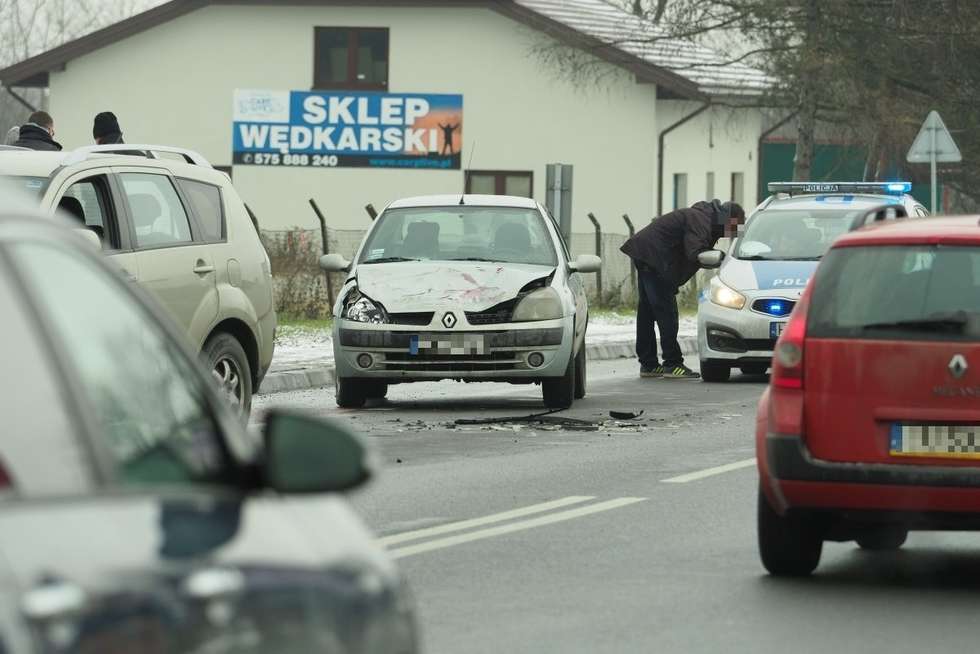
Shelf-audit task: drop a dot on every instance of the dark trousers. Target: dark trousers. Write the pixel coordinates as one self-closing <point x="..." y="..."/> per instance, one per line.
<point x="658" y="305"/>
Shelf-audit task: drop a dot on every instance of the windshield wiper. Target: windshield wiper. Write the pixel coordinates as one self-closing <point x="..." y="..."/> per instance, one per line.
<point x="476" y="259"/>
<point x="949" y="323"/>
<point x="756" y="257"/>
<point x="388" y="260"/>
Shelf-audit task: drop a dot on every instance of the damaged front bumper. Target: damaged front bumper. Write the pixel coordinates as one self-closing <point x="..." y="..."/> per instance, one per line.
<point x="515" y="352"/>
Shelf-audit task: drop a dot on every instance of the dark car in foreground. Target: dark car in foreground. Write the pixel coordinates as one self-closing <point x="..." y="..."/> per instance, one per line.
<point x="871" y="424"/>
<point x="136" y="513"/>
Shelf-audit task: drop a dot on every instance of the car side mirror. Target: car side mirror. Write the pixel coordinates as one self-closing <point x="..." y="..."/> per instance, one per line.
<point x="711" y="258"/>
<point x="304" y="454"/>
<point x="334" y="263"/>
<point x="586" y="263"/>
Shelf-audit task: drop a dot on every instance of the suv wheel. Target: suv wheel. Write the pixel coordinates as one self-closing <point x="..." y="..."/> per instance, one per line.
<point x="225" y="358"/>
<point x="559" y="393"/>
<point x="580" y="373"/>
<point x="883" y="539"/>
<point x="789" y="545"/>
<point x="351" y="393"/>
<point x="376" y="390"/>
<point x="715" y="371"/>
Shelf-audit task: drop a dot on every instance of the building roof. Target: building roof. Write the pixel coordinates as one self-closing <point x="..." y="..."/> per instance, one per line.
<point x="684" y="69"/>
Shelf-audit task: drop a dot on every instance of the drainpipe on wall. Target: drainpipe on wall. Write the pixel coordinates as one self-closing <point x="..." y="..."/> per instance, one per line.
<point x="762" y="137"/>
<point x="19" y="99"/>
<point x="660" y="153"/>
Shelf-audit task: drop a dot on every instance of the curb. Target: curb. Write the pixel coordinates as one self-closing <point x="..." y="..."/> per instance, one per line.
<point x="300" y="379"/>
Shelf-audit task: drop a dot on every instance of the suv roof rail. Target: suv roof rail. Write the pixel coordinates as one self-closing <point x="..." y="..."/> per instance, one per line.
<point x="880" y="214"/>
<point x="83" y="153"/>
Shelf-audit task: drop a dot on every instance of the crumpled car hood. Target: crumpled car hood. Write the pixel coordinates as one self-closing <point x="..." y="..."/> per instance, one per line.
<point x="431" y="286"/>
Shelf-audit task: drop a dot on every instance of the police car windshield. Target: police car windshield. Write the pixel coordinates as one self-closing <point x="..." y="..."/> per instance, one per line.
<point x="461" y="233"/>
<point x="793" y="235"/>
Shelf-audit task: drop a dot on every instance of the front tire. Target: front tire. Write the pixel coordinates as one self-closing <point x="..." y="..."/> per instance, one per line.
<point x="581" y="373"/>
<point x="559" y="393"/>
<point x="377" y="390"/>
<point x="225" y="357"/>
<point x="350" y="393"/>
<point x="789" y="545"/>
<point x="715" y="371"/>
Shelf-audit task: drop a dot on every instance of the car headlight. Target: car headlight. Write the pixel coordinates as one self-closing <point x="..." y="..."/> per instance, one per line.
<point x="542" y="304"/>
<point x="725" y="296"/>
<point x="361" y="308"/>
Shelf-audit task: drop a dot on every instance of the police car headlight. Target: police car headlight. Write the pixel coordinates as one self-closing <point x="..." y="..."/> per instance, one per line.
<point x="543" y="304"/>
<point x="360" y="308"/>
<point x="725" y="296"/>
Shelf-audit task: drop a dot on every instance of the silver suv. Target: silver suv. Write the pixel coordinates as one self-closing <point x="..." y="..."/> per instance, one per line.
<point x="178" y="227"/>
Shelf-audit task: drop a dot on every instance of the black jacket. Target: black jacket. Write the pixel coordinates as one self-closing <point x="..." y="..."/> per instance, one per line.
<point x="36" y="138"/>
<point x="670" y="245"/>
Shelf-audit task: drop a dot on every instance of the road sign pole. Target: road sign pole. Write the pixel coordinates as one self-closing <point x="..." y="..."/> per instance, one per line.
<point x="932" y="171"/>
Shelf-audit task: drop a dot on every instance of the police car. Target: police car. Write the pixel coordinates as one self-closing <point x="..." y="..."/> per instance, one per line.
<point x="746" y="305"/>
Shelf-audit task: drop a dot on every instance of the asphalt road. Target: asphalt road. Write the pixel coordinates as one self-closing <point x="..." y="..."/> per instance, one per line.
<point x="637" y="536"/>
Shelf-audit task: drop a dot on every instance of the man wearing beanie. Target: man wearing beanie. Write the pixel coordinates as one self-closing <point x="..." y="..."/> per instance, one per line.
<point x="666" y="257"/>
<point x="106" y="129"/>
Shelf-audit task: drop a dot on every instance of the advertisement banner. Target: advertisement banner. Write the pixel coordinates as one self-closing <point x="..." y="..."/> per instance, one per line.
<point x="337" y="129"/>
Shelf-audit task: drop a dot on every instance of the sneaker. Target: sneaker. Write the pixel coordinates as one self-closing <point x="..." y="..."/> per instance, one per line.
<point x="680" y="372"/>
<point x="659" y="371"/>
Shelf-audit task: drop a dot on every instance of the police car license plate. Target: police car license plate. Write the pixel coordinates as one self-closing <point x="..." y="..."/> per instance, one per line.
<point x="776" y="329"/>
<point x="946" y="441"/>
<point x="458" y="344"/>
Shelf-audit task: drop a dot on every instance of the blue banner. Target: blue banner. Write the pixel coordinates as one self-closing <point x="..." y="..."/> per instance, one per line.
<point x="347" y="129"/>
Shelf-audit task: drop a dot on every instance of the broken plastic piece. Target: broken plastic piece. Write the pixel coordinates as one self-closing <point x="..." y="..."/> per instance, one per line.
<point x="625" y="415"/>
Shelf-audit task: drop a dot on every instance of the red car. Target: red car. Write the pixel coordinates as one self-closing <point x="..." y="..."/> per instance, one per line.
<point x="870" y="426"/>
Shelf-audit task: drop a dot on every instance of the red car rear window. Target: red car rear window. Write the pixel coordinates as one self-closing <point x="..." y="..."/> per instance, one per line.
<point x="897" y="292"/>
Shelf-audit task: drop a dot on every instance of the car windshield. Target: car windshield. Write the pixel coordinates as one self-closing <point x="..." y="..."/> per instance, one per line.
<point x="793" y="235"/>
<point x="461" y="233"/>
<point x="33" y="186"/>
<point x="894" y="292"/>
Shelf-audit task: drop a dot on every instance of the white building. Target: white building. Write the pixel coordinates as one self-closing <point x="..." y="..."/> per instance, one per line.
<point x="540" y="82"/>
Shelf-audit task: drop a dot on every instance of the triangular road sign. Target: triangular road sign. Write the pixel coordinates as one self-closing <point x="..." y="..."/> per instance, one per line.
<point x="933" y="139"/>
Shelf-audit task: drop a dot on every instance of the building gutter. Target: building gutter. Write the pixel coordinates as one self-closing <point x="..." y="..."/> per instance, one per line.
<point x="760" y="155"/>
<point x="20" y="99"/>
<point x="660" y="152"/>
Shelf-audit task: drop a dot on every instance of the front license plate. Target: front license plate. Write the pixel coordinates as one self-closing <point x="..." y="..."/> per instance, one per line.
<point x="776" y="329"/>
<point x="458" y="344"/>
<point x="947" y="441"/>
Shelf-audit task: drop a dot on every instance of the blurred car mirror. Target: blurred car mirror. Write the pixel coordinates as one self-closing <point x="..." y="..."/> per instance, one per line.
<point x="334" y="263"/>
<point x="90" y="237"/>
<point x="711" y="258"/>
<point x="304" y="454"/>
<point x="586" y="263"/>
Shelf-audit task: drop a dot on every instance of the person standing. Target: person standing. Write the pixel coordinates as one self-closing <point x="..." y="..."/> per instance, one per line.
<point x="106" y="129"/>
<point x="666" y="256"/>
<point x="38" y="133"/>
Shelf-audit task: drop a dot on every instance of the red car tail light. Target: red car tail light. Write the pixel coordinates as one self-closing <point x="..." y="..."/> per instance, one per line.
<point x="787" y="360"/>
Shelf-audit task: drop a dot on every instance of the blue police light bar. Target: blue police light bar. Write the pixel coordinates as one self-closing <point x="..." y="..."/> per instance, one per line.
<point x="809" y="188"/>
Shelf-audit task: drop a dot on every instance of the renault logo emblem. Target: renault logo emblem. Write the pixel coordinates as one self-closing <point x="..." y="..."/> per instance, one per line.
<point x="958" y="366"/>
<point x="449" y="321"/>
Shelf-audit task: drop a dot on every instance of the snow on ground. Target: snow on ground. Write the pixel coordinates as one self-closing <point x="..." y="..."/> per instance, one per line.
<point x="301" y="347"/>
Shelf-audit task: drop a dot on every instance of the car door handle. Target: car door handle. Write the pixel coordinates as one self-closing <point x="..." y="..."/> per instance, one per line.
<point x="203" y="268"/>
<point x="53" y="600"/>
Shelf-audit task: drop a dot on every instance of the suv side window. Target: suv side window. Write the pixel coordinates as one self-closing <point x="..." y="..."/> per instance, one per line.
<point x="155" y="419"/>
<point x="205" y="200"/>
<point x="158" y="216"/>
<point x="94" y="200"/>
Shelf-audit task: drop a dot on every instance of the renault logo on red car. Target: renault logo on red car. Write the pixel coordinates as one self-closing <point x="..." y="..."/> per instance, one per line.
<point x="958" y="366"/>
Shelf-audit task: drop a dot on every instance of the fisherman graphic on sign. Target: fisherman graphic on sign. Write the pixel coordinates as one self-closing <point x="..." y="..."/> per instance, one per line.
<point x="447" y="137"/>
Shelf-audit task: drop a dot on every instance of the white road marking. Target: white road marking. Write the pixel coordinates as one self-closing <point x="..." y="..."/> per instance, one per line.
<point x="709" y="472"/>
<point x="552" y="518"/>
<point x="486" y="520"/>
